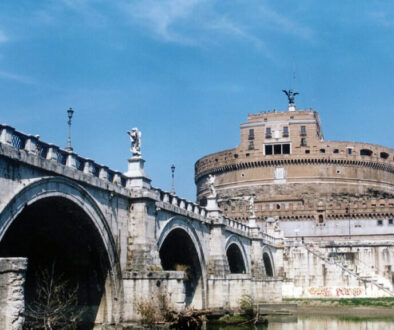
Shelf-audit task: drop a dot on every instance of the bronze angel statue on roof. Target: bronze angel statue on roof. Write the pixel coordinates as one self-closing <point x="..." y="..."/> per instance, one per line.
<point x="290" y="95"/>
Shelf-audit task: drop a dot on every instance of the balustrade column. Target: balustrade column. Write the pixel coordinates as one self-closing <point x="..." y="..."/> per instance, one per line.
<point x="52" y="154"/>
<point x="6" y="134"/>
<point x="31" y="145"/>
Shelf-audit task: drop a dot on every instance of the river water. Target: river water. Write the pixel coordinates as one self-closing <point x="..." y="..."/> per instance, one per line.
<point x="319" y="322"/>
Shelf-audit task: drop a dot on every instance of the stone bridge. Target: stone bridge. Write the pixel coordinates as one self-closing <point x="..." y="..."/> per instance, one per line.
<point x="120" y="239"/>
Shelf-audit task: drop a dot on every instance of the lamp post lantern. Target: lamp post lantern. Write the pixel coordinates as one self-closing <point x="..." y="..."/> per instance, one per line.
<point x="70" y="113"/>
<point x="172" y="176"/>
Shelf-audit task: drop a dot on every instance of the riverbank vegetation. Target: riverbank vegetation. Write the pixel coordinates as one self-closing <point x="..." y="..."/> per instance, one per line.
<point x="157" y="312"/>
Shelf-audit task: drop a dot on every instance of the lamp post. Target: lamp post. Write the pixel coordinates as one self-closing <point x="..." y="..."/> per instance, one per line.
<point x="70" y="113"/>
<point x="172" y="176"/>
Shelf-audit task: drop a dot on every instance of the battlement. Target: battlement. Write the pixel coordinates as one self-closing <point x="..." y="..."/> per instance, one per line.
<point x="281" y="115"/>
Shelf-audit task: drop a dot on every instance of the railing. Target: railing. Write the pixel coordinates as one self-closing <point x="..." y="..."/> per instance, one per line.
<point x="345" y="268"/>
<point x="237" y="225"/>
<point x="32" y="145"/>
<point x="271" y="239"/>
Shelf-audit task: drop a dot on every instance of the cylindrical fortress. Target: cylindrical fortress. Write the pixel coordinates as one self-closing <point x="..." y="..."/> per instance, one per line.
<point x="294" y="174"/>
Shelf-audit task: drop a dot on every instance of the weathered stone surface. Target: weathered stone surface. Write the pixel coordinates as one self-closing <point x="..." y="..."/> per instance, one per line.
<point x="12" y="301"/>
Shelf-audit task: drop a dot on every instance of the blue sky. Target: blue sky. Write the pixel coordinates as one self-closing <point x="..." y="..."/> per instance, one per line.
<point x="187" y="73"/>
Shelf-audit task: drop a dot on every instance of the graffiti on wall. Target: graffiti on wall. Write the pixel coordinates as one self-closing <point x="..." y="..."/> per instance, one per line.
<point x="336" y="292"/>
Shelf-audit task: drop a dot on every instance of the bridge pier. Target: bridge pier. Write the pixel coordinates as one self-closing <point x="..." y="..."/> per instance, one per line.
<point x="12" y="300"/>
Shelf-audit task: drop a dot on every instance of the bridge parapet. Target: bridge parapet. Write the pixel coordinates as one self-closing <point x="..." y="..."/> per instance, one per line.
<point x="237" y="226"/>
<point x="176" y="204"/>
<point x="38" y="151"/>
<point x="34" y="146"/>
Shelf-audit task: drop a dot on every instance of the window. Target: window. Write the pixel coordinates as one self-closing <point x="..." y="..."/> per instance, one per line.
<point x="349" y="151"/>
<point x="384" y="155"/>
<point x="307" y="151"/>
<point x="391" y="221"/>
<point x="277" y="149"/>
<point x="303" y="131"/>
<point x="251" y="134"/>
<point x="380" y="222"/>
<point x="286" y="148"/>
<point x="251" y="145"/>
<point x="268" y="149"/>
<point x="303" y="142"/>
<point x="322" y="151"/>
<point x="268" y="132"/>
<point x="365" y="152"/>
<point x="321" y="218"/>
<point x="285" y="131"/>
<point x="336" y="151"/>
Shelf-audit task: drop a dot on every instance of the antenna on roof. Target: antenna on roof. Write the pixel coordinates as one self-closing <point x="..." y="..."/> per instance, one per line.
<point x="294" y="74"/>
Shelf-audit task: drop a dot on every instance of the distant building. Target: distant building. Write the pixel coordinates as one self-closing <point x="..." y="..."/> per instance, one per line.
<point x="315" y="188"/>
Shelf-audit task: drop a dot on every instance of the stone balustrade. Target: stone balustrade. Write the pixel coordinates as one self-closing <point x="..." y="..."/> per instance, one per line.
<point x="240" y="226"/>
<point x="34" y="146"/>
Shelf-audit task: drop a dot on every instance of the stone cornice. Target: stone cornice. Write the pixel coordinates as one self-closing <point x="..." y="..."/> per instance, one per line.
<point x="291" y="161"/>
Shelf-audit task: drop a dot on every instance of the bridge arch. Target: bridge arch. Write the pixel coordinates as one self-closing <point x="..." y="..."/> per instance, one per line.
<point x="180" y="248"/>
<point x="65" y="203"/>
<point x="236" y="255"/>
<point x="268" y="261"/>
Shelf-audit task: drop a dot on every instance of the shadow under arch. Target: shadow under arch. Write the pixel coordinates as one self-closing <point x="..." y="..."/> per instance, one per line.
<point x="180" y="249"/>
<point x="268" y="262"/>
<point x="236" y="255"/>
<point x="54" y="220"/>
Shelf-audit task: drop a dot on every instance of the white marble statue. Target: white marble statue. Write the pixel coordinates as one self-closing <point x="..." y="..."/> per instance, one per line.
<point x="251" y="207"/>
<point x="211" y="184"/>
<point x="135" y="138"/>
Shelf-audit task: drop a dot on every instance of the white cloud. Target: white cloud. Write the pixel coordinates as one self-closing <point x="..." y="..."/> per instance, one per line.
<point x="3" y="37"/>
<point x="161" y="16"/>
<point x="15" y="77"/>
<point x="284" y="24"/>
<point x="197" y="22"/>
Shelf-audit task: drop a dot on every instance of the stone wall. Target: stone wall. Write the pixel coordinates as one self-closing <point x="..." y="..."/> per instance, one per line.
<point x="12" y="300"/>
<point x="148" y="287"/>
<point x="317" y="271"/>
<point x="227" y="291"/>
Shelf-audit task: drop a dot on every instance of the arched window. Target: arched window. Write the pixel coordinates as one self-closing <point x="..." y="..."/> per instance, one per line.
<point x="267" y="264"/>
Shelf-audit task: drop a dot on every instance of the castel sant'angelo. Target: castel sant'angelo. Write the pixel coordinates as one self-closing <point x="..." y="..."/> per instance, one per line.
<point x="312" y="187"/>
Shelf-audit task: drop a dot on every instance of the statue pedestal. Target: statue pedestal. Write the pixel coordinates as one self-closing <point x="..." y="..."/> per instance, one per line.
<point x="254" y="229"/>
<point x="292" y="107"/>
<point x="252" y="222"/>
<point x="136" y="175"/>
<point x="212" y="207"/>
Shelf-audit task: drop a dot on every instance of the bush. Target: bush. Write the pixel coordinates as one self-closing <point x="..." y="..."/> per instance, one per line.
<point x="246" y="305"/>
<point x="154" y="310"/>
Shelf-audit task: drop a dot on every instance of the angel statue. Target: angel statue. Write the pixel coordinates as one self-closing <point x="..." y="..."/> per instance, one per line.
<point x="135" y="138"/>
<point x="211" y="184"/>
<point x="251" y="207"/>
<point x="290" y="95"/>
